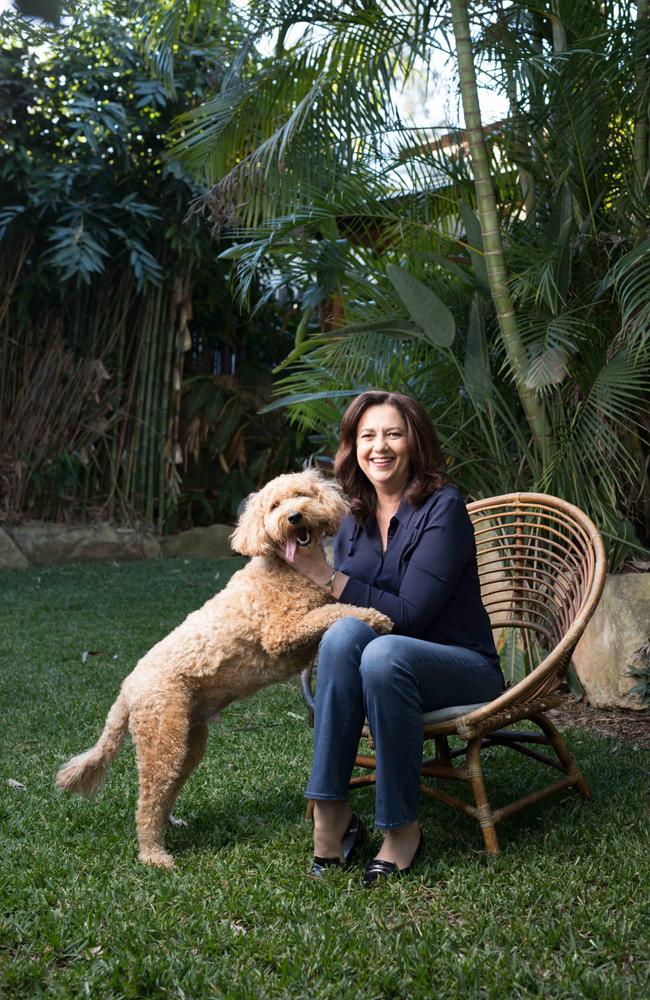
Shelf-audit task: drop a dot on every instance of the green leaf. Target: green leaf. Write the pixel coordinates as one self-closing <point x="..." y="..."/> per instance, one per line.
<point x="513" y="656"/>
<point x="477" y="366"/>
<point x="309" y="396"/>
<point x="561" y="232"/>
<point x="230" y="417"/>
<point x="549" y="367"/>
<point x="575" y="684"/>
<point x="424" y="307"/>
<point x="474" y="244"/>
<point x="238" y="250"/>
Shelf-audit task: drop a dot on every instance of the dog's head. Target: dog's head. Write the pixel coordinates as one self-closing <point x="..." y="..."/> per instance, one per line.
<point x="294" y="509"/>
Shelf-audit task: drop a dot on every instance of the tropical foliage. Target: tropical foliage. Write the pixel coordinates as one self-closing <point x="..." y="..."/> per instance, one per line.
<point x="519" y="317"/>
<point x="114" y="314"/>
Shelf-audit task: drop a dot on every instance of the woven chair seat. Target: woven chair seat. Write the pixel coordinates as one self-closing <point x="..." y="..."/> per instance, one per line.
<point x="542" y="566"/>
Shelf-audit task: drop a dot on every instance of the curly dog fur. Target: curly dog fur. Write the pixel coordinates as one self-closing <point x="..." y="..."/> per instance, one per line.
<point x="262" y="628"/>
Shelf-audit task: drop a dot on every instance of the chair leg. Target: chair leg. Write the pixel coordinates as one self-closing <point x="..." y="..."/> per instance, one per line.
<point x="442" y="750"/>
<point x="483" y="808"/>
<point x="564" y="755"/>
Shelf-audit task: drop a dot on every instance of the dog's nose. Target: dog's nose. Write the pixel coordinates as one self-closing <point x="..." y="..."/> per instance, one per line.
<point x="295" y="518"/>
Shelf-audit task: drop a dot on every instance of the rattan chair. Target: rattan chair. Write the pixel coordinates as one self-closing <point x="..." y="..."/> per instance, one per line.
<point x="542" y="569"/>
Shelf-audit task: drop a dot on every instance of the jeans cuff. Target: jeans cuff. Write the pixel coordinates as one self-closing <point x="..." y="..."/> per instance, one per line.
<point x="393" y="826"/>
<point x="324" y="798"/>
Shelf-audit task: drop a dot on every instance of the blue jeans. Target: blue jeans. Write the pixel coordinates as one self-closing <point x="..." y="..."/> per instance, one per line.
<point x="391" y="680"/>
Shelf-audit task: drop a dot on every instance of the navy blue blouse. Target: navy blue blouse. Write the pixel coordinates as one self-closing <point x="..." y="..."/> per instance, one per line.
<point x="427" y="579"/>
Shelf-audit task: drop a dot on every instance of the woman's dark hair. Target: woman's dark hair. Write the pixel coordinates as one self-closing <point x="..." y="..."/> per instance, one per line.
<point x="427" y="461"/>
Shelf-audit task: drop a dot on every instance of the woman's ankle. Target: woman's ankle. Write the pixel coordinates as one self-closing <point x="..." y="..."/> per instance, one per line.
<point x="400" y="844"/>
<point x="331" y="819"/>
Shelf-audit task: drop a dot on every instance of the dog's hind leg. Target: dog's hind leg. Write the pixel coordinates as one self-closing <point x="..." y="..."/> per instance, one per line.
<point x="161" y="748"/>
<point x="197" y="742"/>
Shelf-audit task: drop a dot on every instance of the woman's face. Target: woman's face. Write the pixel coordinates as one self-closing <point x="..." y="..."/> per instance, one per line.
<point x="383" y="453"/>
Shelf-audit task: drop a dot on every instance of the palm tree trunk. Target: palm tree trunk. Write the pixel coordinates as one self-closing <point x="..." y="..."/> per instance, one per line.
<point x="558" y="29"/>
<point x="490" y="231"/>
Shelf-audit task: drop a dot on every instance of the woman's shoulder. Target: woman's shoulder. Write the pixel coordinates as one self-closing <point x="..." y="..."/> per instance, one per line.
<point x="446" y="507"/>
<point x="446" y="496"/>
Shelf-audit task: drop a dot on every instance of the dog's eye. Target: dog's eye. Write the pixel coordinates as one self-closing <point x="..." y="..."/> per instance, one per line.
<point x="276" y="503"/>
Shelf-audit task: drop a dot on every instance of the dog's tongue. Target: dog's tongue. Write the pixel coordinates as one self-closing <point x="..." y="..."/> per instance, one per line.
<point x="290" y="550"/>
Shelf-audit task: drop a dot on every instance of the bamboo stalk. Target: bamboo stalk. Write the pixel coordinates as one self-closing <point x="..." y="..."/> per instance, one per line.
<point x="490" y="230"/>
<point x="147" y="455"/>
<point x="537" y="104"/>
<point x="82" y="335"/>
<point x="521" y="152"/>
<point x="124" y="295"/>
<point x="640" y="148"/>
<point x="10" y="280"/>
<point x="140" y="333"/>
<point x="166" y="456"/>
<point x="183" y="303"/>
<point x="152" y="420"/>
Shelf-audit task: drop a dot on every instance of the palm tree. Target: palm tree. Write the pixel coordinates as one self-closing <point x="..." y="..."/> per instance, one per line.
<point x="507" y="288"/>
<point x="490" y="229"/>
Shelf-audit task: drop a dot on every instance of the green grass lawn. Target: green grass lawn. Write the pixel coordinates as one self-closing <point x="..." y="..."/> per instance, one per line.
<point x="563" y="912"/>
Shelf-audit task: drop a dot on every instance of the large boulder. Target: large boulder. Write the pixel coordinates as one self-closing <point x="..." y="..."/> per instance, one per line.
<point x="10" y="555"/>
<point x="55" y="544"/>
<point x="199" y="543"/>
<point x="620" y="625"/>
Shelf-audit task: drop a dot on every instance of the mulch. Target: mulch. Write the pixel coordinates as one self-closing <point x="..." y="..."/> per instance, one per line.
<point x="625" y="725"/>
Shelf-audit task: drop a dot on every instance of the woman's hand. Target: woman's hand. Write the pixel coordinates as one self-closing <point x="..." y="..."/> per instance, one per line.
<point x="311" y="562"/>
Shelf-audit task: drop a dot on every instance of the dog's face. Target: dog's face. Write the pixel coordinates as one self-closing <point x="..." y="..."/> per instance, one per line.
<point x="292" y="510"/>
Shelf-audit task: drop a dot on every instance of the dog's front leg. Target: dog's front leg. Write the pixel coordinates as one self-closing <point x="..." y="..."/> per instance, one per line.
<point x="282" y="637"/>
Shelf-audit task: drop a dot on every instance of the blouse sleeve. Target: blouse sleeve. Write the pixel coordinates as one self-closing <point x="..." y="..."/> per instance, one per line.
<point x="445" y="547"/>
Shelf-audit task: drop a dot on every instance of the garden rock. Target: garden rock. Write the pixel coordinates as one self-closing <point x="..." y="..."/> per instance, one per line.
<point x="199" y="543"/>
<point x="10" y="555"/>
<point x="57" y="544"/>
<point x="620" y="625"/>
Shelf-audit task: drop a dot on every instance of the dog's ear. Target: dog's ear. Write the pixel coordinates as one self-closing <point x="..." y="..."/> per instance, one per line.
<point x="249" y="537"/>
<point x="333" y="503"/>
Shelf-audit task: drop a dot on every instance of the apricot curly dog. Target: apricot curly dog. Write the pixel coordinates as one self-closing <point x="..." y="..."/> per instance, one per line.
<point x="262" y="628"/>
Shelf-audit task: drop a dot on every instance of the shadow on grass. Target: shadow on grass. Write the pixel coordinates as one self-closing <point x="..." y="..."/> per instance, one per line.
<point x="237" y="818"/>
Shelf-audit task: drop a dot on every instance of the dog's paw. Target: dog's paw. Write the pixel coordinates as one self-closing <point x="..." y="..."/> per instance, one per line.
<point x="380" y="622"/>
<point x="157" y="857"/>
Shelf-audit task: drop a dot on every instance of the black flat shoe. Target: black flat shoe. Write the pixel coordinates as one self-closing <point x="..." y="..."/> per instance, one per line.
<point x="320" y="865"/>
<point x="377" y="869"/>
<point x="352" y="837"/>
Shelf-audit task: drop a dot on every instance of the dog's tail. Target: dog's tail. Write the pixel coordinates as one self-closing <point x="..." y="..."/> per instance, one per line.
<point x="86" y="772"/>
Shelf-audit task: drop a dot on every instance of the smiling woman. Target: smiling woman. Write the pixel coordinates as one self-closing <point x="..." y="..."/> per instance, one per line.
<point x="407" y="549"/>
<point x="386" y="425"/>
<point x="383" y="451"/>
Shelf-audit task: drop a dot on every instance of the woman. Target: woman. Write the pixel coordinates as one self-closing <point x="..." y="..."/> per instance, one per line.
<point x="408" y="550"/>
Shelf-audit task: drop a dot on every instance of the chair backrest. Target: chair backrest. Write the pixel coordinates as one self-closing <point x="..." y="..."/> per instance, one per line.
<point x="542" y="568"/>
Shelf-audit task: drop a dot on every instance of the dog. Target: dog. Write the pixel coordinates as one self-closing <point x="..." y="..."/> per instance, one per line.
<point x="262" y="628"/>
